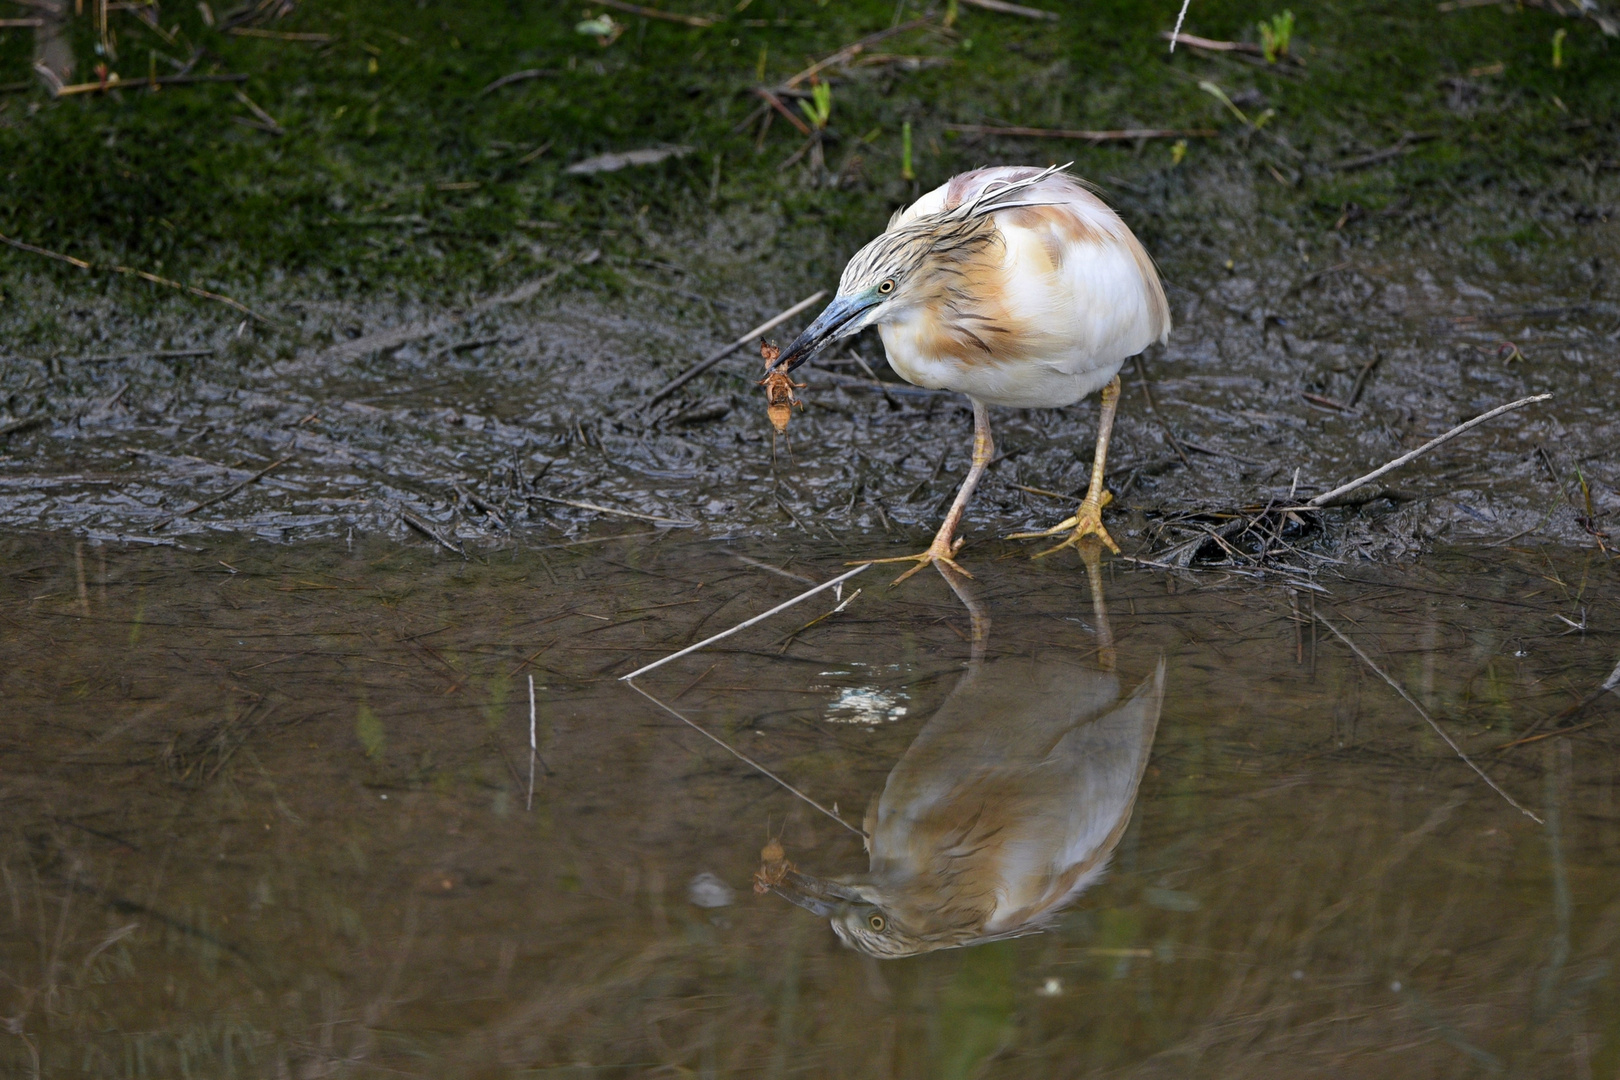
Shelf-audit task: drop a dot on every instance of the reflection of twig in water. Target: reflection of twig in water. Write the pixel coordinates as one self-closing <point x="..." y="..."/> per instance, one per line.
<point x="839" y="580"/>
<point x="745" y="759"/>
<point x="1421" y="711"/>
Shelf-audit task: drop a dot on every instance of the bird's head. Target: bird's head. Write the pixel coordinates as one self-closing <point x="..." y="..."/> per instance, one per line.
<point x="881" y="922"/>
<point x="884" y="278"/>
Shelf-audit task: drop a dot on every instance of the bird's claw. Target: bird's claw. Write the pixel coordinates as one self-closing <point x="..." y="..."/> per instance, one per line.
<point x="1087" y="521"/>
<point x="939" y="553"/>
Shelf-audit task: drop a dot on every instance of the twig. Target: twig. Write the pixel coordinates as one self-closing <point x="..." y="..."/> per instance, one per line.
<point x="1402" y="145"/>
<point x="113" y="83"/>
<point x="1013" y="9"/>
<point x="430" y="532"/>
<point x="534" y="751"/>
<point x="280" y="35"/>
<point x="852" y="50"/>
<point x="776" y="103"/>
<point x="516" y="76"/>
<point x="1401" y="690"/>
<point x="27" y="423"/>
<point x="820" y="619"/>
<point x="610" y="510"/>
<point x="1119" y="135"/>
<point x="653" y="13"/>
<point x="1175" y="37"/>
<point x="1324" y="402"/>
<point x="823" y="587"/>
<point x="1327" y="497"/>
<point x="1314" y="276"/>
<point x="21" y="246"/>
<point x="144" y="275"/>
<point x="1181" y="17"/>
<point x="1147" y="392"/>
<point x="222" y="496"/>
<point x="1361" y="378"/>
<point x="740" y="756"/>
<point x="270" y="123"/>
<point x="715" y="357"/>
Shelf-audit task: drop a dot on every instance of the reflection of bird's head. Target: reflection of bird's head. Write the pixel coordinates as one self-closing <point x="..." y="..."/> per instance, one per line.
<point x="1006" y="806"/>
<point x="882" y="921"/>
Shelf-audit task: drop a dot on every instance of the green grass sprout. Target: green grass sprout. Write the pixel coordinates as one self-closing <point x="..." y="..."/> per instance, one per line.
<point x="1275" y="35"/>
<point x="819" y="108"/>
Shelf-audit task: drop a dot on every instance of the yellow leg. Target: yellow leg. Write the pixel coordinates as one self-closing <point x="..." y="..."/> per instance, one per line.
<point x="1087" y="520"/>
<point x="942" y="551"/>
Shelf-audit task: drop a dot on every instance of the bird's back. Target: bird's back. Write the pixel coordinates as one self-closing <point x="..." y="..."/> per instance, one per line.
<point x="1044" y="317"/>
<point x="1013" y="796"/>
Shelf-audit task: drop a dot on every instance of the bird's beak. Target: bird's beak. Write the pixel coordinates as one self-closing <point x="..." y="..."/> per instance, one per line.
<point x="819" y="896"/>
<point x="840" y="319"/>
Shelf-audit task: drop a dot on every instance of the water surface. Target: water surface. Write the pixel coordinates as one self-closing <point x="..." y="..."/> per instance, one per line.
<point x="267" y="812"/>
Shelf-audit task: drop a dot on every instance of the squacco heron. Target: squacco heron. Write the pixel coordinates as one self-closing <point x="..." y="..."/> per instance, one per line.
<point x="1016" y="287"/>
<point x="1004" y="809"/>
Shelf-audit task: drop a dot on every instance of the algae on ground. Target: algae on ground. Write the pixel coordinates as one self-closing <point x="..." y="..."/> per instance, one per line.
<point x="395" y="172"/>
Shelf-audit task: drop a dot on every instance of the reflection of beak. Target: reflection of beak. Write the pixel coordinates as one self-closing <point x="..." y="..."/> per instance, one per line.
<point x="834" y="322"/>
<point x="819" y="896"/>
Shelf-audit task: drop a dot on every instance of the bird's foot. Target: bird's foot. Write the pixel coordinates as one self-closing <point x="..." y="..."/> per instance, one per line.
<point x="940" y="553"/>
<point x="1086" y="522"/>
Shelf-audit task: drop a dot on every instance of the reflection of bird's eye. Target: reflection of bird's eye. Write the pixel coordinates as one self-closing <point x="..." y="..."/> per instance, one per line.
<point x="875" y="921"/>
<point x="886" y="287"/>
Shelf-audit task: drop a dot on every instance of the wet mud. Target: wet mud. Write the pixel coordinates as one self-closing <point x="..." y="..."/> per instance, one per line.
<point x="272" y="811"/>
<point x="1285" y="376"/>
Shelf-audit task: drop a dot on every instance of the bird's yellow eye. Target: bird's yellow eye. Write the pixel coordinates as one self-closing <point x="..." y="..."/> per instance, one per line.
<point x="875" y="921"/>
<point x="887" y="286"/>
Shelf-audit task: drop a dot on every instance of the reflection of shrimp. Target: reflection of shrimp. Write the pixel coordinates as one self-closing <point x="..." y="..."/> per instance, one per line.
<point x="773" y="868"/>
<point x="779" y="387"/>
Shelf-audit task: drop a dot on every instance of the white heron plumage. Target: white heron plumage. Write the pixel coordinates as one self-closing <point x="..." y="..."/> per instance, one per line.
<point x="1015" y="286"/>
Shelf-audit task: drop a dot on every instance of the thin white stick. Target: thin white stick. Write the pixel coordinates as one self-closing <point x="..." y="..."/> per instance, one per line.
<point x="534" y="751"/>
<point x="743" y="625"/>
<point x="1401" y="690"/>
<point x="720" y="354"/>
<point x="677" y="522"/>
<point x="1176" y="33"/>
<point x="1328" y="496"/>
<point x="740" y="756"/>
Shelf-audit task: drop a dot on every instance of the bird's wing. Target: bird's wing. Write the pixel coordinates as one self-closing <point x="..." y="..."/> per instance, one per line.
<point x="1075" y="270"/>
<point x="1062" y="852"/>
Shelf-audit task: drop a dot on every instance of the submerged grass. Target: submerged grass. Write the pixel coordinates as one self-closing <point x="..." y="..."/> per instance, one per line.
<point x="385" y="167"/>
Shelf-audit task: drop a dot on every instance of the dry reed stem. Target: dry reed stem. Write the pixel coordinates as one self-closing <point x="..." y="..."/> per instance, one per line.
<point x="1327" y="497"/>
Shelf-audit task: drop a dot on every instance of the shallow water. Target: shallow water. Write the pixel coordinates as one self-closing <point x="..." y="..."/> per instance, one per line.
<point x="267" y="812"/>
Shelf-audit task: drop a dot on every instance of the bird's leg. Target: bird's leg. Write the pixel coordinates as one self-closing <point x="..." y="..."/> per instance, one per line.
<point x="1087" y="520"/>
<point x="943" y="549"/>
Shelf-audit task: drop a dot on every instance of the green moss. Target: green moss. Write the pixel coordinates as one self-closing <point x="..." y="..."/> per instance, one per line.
<point x="394" y="172"/>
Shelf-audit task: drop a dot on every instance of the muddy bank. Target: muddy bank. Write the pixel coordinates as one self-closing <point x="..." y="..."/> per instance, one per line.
<point x="485" y="420"/>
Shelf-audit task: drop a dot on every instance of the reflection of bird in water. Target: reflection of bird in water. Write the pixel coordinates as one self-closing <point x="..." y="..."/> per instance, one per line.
<point x="1006" y="806"/>
<point x="1014" y="286"/>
